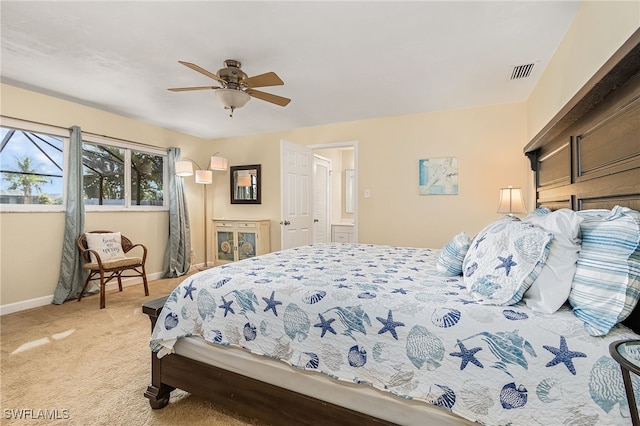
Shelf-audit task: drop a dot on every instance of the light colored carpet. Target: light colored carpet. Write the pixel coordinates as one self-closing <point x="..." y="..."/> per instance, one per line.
<point x="91" y="366"/>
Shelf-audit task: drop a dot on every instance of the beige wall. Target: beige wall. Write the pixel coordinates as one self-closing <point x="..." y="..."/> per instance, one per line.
<point x="598" y="30"/>
<point x="32" y="247"/>
<point x="487" y="141"/>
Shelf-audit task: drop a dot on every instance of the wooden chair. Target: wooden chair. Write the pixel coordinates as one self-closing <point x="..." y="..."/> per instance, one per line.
<point x="99" y="269"/>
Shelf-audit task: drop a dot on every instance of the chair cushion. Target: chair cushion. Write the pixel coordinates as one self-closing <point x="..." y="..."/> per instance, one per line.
<point x="108" y="245"/>
<point x="115" y="263"/>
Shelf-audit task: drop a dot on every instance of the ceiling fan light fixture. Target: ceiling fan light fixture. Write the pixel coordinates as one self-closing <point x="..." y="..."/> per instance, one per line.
<point x="232" y="98"/>
<point x="236" y="87"/>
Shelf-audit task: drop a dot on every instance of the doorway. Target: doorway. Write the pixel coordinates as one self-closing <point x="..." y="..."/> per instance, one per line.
<point x="342" y="194"/>
<point x="297" y="211"/>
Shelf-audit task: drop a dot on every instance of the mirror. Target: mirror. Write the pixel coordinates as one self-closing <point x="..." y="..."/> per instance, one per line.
<point x="348" y="191"/>
<point x="245" y="184"/>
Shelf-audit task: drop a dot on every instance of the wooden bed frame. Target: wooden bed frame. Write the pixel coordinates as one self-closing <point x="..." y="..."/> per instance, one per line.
<point x="251" y="397"/>
<point x="587" y="157"/>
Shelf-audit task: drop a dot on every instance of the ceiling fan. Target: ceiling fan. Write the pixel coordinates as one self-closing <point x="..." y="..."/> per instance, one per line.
<point x="236" y="88"/>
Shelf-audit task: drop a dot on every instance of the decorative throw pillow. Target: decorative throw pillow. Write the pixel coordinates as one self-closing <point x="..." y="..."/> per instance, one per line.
<point x="452" y="255"/>
<point x="552" y="287"/>
<point x="606" y="285"/>
<point x="108" y="245"/>
<point x="504" y="260"/>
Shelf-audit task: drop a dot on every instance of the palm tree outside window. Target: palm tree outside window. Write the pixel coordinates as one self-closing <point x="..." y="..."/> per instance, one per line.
<point x="31" y="166"/>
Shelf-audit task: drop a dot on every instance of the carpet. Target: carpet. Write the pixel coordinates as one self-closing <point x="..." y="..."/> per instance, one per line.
<point x="80" y="365"/>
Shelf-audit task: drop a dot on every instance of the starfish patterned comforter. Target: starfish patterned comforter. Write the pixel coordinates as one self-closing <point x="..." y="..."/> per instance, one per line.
<point x="382" y="316"/>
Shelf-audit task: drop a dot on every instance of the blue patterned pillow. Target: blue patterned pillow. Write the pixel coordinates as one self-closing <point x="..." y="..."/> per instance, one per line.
<point x="452" y="255"/>
<point x="606" y="285"/>
<point x="504" y="260"/>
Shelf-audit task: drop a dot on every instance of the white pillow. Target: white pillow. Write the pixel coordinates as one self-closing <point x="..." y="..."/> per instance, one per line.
<point x="108" y="245"/>
<point x="552" y="287"/>
<point x="504" y="260"/>
<point x="452" y="255"/>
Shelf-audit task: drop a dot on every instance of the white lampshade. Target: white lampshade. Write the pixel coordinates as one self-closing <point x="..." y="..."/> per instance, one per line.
<point x="511" y="201"/>
<point x="232" y="98"/>
<point x="218" y="163"/>
<point x="184" y="168"/>
<point x="204" y="176"/>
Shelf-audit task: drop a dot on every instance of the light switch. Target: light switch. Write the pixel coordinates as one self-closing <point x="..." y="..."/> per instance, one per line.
<point x="367" y="193"/>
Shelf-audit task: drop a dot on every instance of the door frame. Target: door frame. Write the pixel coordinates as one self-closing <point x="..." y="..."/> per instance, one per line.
<point x="346" y="144"/>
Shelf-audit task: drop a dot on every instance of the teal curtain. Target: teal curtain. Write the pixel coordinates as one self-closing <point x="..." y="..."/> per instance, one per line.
<point x="71" y="277"/>
<point x="177" y="256"/>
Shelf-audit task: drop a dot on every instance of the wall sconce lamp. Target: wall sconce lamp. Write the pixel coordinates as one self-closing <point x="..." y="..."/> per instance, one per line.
<point x="204" y="177"/>
<point x="511" y="201"/>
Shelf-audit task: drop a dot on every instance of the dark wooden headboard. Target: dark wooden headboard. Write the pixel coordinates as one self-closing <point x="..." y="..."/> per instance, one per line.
<point x="588" y="156"/>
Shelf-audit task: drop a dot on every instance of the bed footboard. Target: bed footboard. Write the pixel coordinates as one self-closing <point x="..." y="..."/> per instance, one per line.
<point x="157" y="392"/>
<point x="244" y="395"/>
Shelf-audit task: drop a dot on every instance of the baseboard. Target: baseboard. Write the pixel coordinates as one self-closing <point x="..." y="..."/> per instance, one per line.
<point x="200" y="267"/>
<point x="46" y="300"/>
<point x="25" y="304"/>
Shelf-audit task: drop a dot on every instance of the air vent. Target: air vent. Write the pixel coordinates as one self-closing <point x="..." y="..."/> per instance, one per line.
<point x="521" y="71"/>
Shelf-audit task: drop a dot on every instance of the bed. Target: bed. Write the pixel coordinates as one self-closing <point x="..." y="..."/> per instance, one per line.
<point x="352" y="333"/>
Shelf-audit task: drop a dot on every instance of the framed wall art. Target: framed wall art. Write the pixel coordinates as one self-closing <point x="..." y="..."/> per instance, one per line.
<point x="438" y="176"/>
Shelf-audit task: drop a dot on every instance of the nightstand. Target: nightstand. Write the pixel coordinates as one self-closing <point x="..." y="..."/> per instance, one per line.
<point x="621" y="351"/>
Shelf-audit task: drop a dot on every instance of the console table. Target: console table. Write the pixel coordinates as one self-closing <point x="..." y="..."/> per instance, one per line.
<point x="237" y="239"/>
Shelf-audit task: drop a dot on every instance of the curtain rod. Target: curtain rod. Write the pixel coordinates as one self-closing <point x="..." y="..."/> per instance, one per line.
<point x="84" y="132"/>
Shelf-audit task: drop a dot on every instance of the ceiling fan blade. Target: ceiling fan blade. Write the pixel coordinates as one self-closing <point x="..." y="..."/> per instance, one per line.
<point x="184" y="89"/>
<point x="202" y="71"/>
<point x="262" y="80"/>
<point x="274" y="99"/>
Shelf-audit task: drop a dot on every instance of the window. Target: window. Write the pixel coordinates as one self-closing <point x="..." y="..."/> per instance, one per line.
<point x="111" y="172"/>
<point x="147" y="179"/>
<point x="31" y="169"/>
<point x="103" y="175"/>
<point x="122" y="175"/>
<point x="117" y="175"/>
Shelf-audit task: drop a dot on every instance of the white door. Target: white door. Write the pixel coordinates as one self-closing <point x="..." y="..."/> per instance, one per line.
<point x="296" y="176"/>
<point x="321" y="196"/>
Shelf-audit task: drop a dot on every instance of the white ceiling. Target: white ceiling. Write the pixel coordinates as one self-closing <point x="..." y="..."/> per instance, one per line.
<point x="340" y="61"/>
